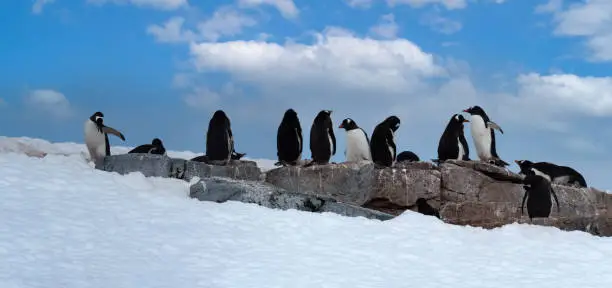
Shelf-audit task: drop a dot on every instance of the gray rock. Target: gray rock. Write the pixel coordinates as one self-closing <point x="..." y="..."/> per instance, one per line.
<point x="150" y="165"/>
<point x="361" y="184"/>
<point x="236" y="169"/>
<point x="223" y="189"/>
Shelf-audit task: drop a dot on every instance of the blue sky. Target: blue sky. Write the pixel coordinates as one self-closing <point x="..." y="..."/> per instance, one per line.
<point x="160" y="68"/>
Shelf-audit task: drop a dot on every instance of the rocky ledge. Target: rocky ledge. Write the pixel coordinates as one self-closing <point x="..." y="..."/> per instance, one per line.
<point x="461" y="192"/>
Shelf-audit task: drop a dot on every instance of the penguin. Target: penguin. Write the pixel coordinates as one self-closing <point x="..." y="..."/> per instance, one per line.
<point x="156" y="147"/>
<point x="452" y="143"/>
<point x="289" y="141"/>
<point x="483" y="135"/>
<point x="556" y="174"/>
<point x="357" y="142"/>
<point x="382" y="145"/>
<point x="322" y="138"/>
<point x="219" y="139"/>
<point x="96" y="137"/>
<point x="424" y="208"/>
<point x="407" y="156"/>
<point x="537" y="194"/>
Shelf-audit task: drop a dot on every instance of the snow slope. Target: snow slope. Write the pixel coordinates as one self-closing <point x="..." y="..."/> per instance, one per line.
<point x="65" y="224"/>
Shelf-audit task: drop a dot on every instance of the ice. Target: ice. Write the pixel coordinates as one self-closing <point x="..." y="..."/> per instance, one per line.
<point x="65" y="224"/>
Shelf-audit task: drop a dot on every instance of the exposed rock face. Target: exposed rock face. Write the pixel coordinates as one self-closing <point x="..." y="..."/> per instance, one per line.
<point x="224" y="189"/>
<point x="360" y="183"/>
<point x="151" y="165"/>
<point x="463" y="192"/>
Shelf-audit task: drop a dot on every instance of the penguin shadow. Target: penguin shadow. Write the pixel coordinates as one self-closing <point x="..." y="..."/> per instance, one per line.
<point x="421" y="206"/>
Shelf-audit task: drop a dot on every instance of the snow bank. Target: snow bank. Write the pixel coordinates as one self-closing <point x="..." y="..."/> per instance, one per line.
<point x="65" y="224"/>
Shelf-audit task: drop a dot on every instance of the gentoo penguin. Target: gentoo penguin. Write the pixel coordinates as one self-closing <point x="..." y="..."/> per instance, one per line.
<point x="156" y="147"/>
<point x="424" y="208"/>
<point x="483" y="135"/>
<point x="452" y="143"/>
<point x="96" y="137"/>
<point x="407" y="156"/>
<point x="537" y="194"/>
<point x="562" y="175"/>
<point x="382" y="144"/>
<point x="219" y="138"/>
<point x="289" y="140"/>
<point x="322" y="138"/>
<point x="357" y="142"/>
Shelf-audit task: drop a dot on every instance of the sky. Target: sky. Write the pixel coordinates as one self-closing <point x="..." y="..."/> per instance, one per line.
<point x="160" y="68"/>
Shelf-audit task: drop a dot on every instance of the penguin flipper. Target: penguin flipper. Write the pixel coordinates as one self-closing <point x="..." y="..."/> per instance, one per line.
<point x="494" y="125"/>
<point x="110" y="130"/>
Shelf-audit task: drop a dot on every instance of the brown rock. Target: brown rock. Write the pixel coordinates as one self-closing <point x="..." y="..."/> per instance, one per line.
<point x="360" y="183"/>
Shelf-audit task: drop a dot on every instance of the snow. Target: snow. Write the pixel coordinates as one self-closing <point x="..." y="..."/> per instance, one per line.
<point x="65" y="224"/>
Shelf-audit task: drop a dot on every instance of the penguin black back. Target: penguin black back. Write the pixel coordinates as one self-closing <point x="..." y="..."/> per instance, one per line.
<point x="219" y="138"/>
<point x="555" y="173"/>
<point x="537" y="193"/>
<point x="156" y="147"/>
<point x="289" y="142"/>
<point x="407" y="156"/>
<point x="382" y="144"/>
<point x="322" y="138"/>
<point x="452" y="142"/>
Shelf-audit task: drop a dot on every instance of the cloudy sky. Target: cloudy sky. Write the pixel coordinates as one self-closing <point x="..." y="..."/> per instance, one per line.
<point x="160" y="68"/>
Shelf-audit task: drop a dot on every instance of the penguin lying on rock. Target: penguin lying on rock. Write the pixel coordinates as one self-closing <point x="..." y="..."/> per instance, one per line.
<point x="156" y="147"/>
<point x="407" y="156"/>
<point x="562" y="175"/>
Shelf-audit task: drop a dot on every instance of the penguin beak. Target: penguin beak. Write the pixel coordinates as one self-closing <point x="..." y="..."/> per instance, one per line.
<point x="517" y="162"/>
<point x="341" y="126"/>
<point x="466" y="110"/>
<point x="465" y="120"/>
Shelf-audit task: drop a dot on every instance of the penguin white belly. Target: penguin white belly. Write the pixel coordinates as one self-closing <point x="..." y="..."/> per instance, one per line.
<point x="540" y="173"/>
<point x="391" y="150"/>
<point x="297" y="136"/>
<point x="94" y="139"/>
<point x="482" y="138"/>
<point x="331" y="142"/>
<point x="357" y="146"/>
<point x="461" y="150"/>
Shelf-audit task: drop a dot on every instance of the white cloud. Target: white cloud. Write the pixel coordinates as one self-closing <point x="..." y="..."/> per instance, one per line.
<point x="363" y="4"/>
<point x="591" y="20"/>
<point x="225" y="21"/>
<point x="335" y="59"/>
<point x="50" y="101"/>
<point x="37" y="8"/>
<point x="287" y="8"/>
<point x="171" y="31"/>
<point x="448" y="4"/>
<point x="157" y="4"/>
<point x="441" y="24"/>
<point x="386" y="27"/>
<point x="201" y="98"/>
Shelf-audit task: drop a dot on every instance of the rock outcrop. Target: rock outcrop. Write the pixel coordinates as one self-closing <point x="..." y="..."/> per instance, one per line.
<point x="462" y="192"/>
<point x="224" y="189"/>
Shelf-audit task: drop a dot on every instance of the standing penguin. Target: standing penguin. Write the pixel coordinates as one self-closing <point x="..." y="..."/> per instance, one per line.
<point x="322" y="138"/>
<point x="537" y="194"/>
<point x="289" y="139"/>
<point x="96" y="137"/>
<point x="357" y="142"/>
<point x="219" y="138"/>
<point x="156" y="147"/>
<point x="483" y="135"/>
<point x="452" y="143"/>
<point x="562" y="175"/>
<point x="382" y="145"/>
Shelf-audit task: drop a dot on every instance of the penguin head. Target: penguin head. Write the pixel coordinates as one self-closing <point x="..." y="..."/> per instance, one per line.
<point x="98" y="118"/>
<point x="459" y="119"/>
<point x="393" y="122"/>
<point x="475" y="110"/>
<point x="323" y="115"/>
<point x="157" y="142"/>
<point x="348" y="124"/>
<point x="524" y="165"/>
